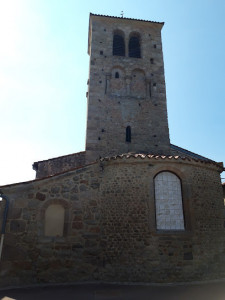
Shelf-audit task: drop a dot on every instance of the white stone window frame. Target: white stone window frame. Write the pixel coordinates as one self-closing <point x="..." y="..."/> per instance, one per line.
<point x="169" y="209"/>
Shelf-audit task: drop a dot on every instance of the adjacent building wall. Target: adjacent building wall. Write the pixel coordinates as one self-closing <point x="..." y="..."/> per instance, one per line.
<point x="57" y="165"/>
<point x="29" y="256"/>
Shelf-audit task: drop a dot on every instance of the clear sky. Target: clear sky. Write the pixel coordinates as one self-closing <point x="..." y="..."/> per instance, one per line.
<point x="44" y="72"/>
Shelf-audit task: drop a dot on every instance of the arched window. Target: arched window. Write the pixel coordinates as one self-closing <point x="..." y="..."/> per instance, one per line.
<point x="54" y="220"/>
<point x="118" y="45"/>
<point x="168" y="201"/>
<point x="134" y="47"/>
<point x="128" y="134"/>
<point x="117" y="75"/>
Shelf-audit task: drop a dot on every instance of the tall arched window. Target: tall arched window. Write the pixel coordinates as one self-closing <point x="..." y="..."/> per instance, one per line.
<point x="168" y="201"/>
<point x="118" y="44"/>
<point x="128" y="134"/>
<point x="134" y="47"/>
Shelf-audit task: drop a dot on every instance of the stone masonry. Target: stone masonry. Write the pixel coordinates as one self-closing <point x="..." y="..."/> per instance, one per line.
<point x="109" y="231"/>
<point x="132" y="207"/>
<point x="136" y="99"/>
<point x="60" y="164"/>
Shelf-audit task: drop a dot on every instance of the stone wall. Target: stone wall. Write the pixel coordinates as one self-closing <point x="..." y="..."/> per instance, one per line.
<point x="60" y="164"/>
<point x="109" y="230"/>
<point x="130" y="233"/>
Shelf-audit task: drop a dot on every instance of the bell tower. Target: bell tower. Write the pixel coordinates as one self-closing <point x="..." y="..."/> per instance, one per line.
<point x="127" y="110"/>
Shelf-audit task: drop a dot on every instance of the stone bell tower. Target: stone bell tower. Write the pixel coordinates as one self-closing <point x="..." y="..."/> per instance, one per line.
<point x="127" y="109"/>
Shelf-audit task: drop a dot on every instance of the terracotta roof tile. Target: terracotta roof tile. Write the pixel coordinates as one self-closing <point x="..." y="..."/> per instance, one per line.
<point x="161" y="157"/>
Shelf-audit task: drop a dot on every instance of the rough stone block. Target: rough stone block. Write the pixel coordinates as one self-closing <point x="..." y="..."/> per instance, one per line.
<point x="17" y="226"/>
<point x="40" y="196"/>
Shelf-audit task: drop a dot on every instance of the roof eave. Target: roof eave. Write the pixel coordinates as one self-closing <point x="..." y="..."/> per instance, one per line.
<point x="122" y="18"/>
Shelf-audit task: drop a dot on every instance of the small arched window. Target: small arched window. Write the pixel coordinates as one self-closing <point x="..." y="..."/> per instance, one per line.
<point x="168" y="201"/>
<point x="118" y="45"/>
<point x="128" y="134"/>
<point x="54" y="220"/>
<point x="117" y="75"/>
<point x="134" y="47"/>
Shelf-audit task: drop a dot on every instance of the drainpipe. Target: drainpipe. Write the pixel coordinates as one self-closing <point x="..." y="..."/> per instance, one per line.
<point x="4" y="221"/>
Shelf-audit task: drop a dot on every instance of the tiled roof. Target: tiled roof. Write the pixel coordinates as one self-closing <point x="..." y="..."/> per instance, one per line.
<point x="188" y="153"/>
<point x="200" y="159"/>
<point x="97" y="15"/>
<point x="161" y="157"/>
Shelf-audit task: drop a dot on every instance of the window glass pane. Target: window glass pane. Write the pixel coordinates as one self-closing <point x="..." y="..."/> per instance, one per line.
<point x="118" y="45"/>
<point x="168" y="199"/>
<point x="134" y="47"/>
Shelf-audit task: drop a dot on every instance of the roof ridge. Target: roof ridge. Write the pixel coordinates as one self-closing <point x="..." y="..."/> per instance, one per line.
<point x="123" y="18"/>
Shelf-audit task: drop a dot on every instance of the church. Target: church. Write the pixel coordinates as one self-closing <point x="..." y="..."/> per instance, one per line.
<point x="132" y="207"/>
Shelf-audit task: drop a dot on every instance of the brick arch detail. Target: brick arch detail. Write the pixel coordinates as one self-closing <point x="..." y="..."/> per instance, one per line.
<point x="169" y="168"/>
<point x="120" y="68"/>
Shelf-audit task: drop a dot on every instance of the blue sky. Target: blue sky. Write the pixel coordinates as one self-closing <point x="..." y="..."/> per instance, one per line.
<point x="44" y="71"/>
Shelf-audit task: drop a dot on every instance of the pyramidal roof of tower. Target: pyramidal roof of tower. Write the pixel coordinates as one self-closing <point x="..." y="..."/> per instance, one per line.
<point x="122" y="18"/>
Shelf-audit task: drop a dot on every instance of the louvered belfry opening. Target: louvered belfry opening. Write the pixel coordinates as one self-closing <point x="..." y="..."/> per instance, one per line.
<point x="118" y="45"/>
<point x="134" y="47"/>
<point x="128" y="134"/>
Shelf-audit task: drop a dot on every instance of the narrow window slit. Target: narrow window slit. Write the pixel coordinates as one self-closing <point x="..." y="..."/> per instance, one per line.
<point x="150" y="89"/>
<point x="128" y="134"/>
